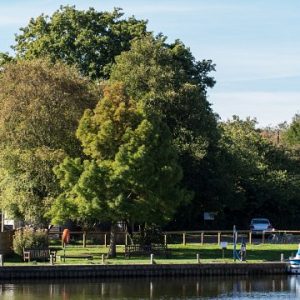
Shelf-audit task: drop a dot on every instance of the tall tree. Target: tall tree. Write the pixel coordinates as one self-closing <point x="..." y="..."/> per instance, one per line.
<point x="131" y="171"/>
<point x="169" y="81"/>
<point x="41" y="105"/>
<point x="264" y="176"/>
<point x="88" y="39"/>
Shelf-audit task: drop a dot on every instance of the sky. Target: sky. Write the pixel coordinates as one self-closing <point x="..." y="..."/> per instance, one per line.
<point x="255" y="45"/>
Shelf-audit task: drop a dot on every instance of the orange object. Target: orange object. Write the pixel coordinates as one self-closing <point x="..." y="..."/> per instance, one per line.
<point x="66" y="236"/>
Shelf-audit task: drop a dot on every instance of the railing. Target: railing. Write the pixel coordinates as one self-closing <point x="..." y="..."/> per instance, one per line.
<point x="170" y="237"/>
<point x="185" y="237"/>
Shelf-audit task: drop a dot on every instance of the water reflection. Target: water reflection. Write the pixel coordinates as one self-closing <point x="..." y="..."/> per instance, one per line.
<point x="283" y="287"/>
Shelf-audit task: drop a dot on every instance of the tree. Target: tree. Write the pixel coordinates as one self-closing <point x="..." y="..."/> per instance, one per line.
<point x="264" y="177"/>
<point x="41" y="104"/>
<point x="5" y="58"/>
<point x="168" y="80"/>
<point x="291" y="135"/>
<point x="131" y="171"/>
<point x="88" y="39"/>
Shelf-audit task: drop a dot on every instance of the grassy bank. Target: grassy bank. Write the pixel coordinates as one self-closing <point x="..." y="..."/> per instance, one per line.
<point x="180" y="254"/>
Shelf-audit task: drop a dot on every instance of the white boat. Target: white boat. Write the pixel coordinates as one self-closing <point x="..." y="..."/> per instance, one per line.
<point x="294" y="263"/>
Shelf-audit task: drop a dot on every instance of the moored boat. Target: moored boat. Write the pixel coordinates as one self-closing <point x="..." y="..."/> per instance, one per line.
<point x="294" y="263"/>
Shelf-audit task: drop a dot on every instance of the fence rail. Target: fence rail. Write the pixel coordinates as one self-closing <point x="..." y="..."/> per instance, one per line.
<point x="182" y="237"/>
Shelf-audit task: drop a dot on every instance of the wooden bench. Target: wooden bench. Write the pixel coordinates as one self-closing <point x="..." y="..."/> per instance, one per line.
<point x="158" y="249"/>
<point x="79" y="256"/>
<point x="38" y="254"/>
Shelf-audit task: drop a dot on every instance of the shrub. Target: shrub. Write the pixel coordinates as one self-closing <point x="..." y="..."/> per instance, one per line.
<point x="149" y="235"/>
<point x="29" y="238"/>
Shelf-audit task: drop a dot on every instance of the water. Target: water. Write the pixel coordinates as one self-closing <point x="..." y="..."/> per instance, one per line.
<point x="271" y="287"/>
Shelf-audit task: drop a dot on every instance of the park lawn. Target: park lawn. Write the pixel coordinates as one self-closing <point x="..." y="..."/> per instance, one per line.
<point x="180" y="254"/>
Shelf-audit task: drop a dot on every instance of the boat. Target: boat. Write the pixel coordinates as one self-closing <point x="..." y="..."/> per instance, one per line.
<point x="294" y="263"/>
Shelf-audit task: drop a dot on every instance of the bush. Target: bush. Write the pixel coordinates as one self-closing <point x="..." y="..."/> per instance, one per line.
<point x="149" y="235"/>
<point x="29" y="238"/>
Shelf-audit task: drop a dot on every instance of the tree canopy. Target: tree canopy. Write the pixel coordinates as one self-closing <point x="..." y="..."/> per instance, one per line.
<point x="264" y="176"/>
<point x="87" y="39"/>
<point x="41" y="105"/>
<point x="131" y="171"/>
<point x="292" y="134"/>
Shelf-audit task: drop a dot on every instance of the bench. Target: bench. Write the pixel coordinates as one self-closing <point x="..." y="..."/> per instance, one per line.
<point x="158" y="249"/>
<point x="38" y="254"/>
<point x="79" y="256"/>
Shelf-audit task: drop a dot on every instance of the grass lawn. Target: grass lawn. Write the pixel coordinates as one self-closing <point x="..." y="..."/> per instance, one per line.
<point x="180" y="254"/>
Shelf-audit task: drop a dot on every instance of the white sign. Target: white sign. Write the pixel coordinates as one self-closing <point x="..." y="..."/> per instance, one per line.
<point x="223" y="245"/>
<point x="209" y="216"/>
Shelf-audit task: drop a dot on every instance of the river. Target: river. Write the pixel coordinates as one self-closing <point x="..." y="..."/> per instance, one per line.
<point x="271" y="287"/>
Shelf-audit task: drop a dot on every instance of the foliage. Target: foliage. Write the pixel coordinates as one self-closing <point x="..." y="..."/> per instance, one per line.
<point x="131" y="171"/>
<point x="29" y="238"/>
<point x="170" y="82"/>
<point x="41" y="105"/>
<point x="291" y="135"/>
<point x="88" y="39"/>
<point x="5" y="58"/>
<point x="264" y="178"/>
<point x="149" y="235"/>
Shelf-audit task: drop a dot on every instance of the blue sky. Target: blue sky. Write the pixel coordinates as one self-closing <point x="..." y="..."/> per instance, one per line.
<point x="254" y="43"/>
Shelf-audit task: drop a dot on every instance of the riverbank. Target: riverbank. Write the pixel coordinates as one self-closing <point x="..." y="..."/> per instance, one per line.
<point x="143" y="270"/>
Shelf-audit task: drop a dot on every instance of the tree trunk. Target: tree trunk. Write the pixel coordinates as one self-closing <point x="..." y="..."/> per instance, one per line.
<point x="112" y="252"/>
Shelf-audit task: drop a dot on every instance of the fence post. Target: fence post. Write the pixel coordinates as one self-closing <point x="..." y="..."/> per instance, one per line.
<point x="165" y="239"/>
<point x="84" y="239"/>
<point x="105" y="240"/>
<point x="151" y="259"/>
<point x="219" y="238"/>
<point x="126" y="239"/>
<point x="202" y="238"/>
<point x="250" y="237"/>
<point x="263" y="237"/>
<point x="183" y="239"/>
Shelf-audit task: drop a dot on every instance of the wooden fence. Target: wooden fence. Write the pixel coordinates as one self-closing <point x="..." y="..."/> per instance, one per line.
<point x="180" y="237"/>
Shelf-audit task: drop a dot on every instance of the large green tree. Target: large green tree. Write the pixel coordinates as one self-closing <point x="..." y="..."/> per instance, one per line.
<point x="263" y="176"/>
<point x="131" y="171"/>
<point x="41" y="104"/>
<point x="169" y="81"/>
<point x="88" y="39"/>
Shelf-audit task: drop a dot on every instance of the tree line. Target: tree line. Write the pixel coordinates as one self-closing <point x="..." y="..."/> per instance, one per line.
<point x="101" y="121"/>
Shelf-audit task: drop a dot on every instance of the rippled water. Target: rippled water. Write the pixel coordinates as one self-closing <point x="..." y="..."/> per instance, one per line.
<point x="277" y="287"/>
